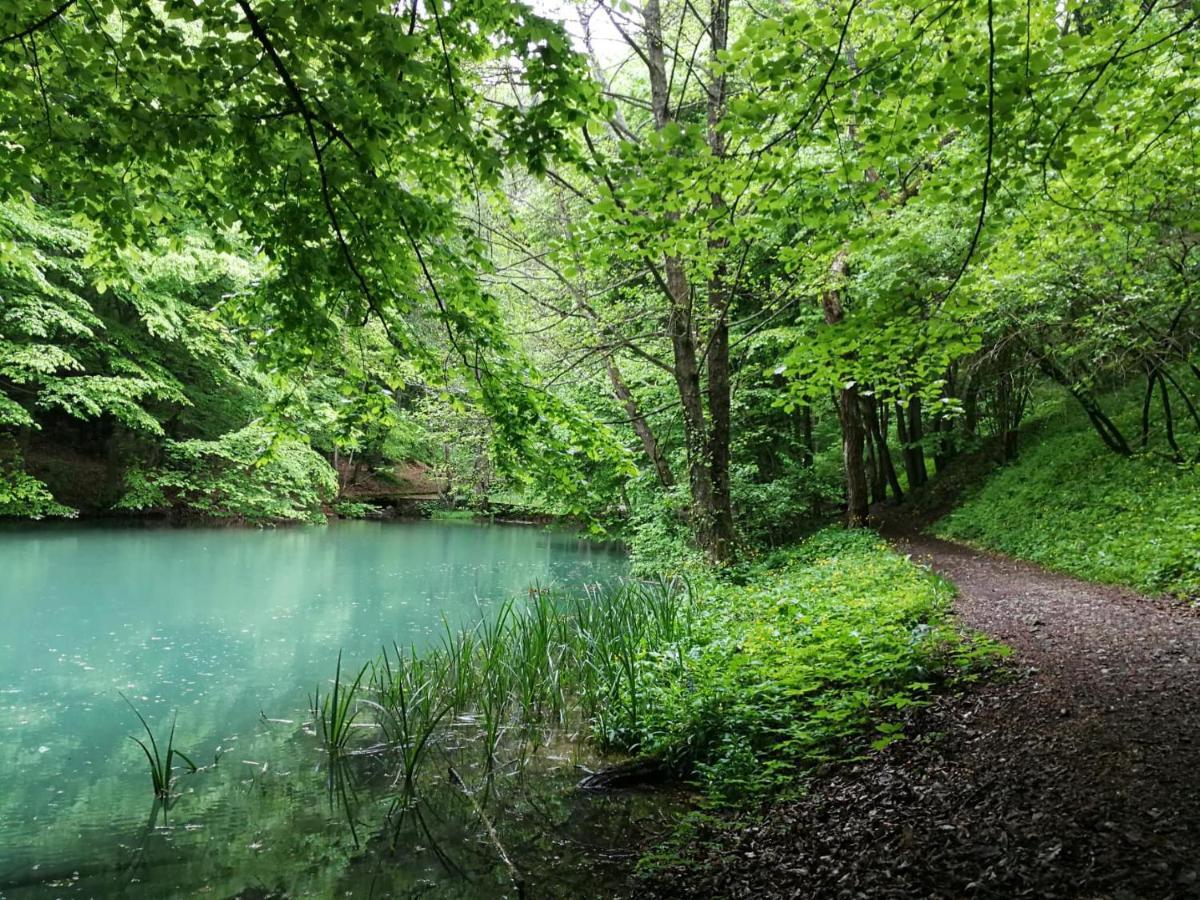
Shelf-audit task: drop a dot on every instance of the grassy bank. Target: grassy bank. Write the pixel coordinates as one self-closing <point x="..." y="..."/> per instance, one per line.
<point x="739" y="687"/>
<point x="1069" y="503"/>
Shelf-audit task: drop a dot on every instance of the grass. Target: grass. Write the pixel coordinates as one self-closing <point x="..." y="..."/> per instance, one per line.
<point x="1070" y="504"/>
<point x="735" y="686"/>
<point x="162" y="765"/>
<point x="336" y="711"/>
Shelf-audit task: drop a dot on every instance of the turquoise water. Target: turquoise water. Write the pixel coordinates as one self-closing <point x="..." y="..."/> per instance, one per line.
<point x="231" y="629"/>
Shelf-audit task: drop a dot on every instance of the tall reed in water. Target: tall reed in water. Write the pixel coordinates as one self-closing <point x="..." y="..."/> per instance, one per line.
<point x="411" y="698"/>
<point x="524" y="670"/>
<point x="162" y="765"/>
<point x="336" y="711"/>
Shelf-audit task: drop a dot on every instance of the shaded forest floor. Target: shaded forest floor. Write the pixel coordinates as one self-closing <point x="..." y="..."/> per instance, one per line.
<point x="1079" y="776"/>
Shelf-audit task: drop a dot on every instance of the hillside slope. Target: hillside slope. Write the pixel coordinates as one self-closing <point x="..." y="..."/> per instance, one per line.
<point x="1070" y="504"/>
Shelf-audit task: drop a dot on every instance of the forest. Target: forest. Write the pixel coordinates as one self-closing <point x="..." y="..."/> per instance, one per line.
<point x="844" y="353"/>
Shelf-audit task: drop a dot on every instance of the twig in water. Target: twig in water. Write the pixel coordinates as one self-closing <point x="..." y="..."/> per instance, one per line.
<point x="513" y="872"/>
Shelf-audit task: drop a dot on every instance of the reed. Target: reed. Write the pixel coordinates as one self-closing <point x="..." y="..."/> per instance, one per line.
<point x="412" y="698"/>
<point x="336" y="712"/>
<point x="514" y="678"/>
<point x="162" y="764"/>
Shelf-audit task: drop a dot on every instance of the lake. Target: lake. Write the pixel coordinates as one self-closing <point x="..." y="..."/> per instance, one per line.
<point x="232" y="629"/>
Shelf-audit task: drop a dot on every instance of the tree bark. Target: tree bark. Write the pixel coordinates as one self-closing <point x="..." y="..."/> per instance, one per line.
<point x="879" y="433"/>
<point x="916" y="434"/>
<point x="709" y="523"/>
<point x="640" y="426"/>
<point x="853" y="438"/>
<point x="721" y="539"/>
<point x="807" y="450"/>
<point x="1108" y="431"/>
<point x="875" y="489"/>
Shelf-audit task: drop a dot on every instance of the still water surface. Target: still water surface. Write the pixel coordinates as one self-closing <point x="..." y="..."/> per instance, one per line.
<point x="230" y="628"/>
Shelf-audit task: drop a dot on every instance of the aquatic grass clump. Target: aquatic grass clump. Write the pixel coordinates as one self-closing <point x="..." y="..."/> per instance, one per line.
<point x="553" y="664"/>
<point x="411" y="701"/>
<point x="750" y="684"/>
<point x="162" y="765"/>
<point x="336" y="712"/>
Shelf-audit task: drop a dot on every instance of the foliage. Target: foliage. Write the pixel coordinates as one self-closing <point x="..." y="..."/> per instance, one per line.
<point x="146" y="364"/>
<point x="791" y="668"/>
<point x="349" y="509"/>
<point x="336" y="710"/>
<point x="1069" y="503"/>
<point x="340" y="140"/>
<point x="23" y="496"/>
<point x="78" y="345"/>
<point x="249" y="475"/>
<point x="444" y="234"/>
<point x="739" y="686"/>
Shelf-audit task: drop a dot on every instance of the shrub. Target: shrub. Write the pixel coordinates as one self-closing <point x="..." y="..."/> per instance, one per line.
<point x="787" y="670"/>
<point x="23" y="496"/>
<point x="250" y="475"/>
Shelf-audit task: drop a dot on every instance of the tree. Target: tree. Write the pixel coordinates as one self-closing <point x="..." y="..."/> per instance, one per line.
<point x="340" y="138"/>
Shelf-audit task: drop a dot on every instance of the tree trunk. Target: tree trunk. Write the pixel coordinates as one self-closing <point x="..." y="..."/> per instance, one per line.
<point x="878" y="432"/>
<point x="721" y="545"/>
<point x="853" y="437"/>
<point x="908" y="430"/>
<point x="707" y="522"/>
<point x="1108" y="431"/>
<point x="721" y="540"/>
<point x="806" y="436"/>
<point x="875" y="488"/>
<point x="640" y="426"/>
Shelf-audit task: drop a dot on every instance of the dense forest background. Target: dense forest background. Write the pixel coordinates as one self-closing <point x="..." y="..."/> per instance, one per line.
<point x="700" y="276"/>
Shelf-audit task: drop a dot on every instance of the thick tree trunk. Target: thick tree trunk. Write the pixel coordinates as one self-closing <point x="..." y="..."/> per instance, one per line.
<point x="916" y="434"/>
<point x="853" y="441"/>
<point x="687" y="382"/>
<point x="721" y="538"/>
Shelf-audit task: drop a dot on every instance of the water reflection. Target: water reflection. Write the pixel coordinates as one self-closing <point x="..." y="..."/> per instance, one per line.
<point x="223" y="625"/>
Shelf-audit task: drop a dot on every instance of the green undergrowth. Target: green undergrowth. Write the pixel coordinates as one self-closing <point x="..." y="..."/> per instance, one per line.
<point x="1069" y="503"/>
<point x="740" y="687"/>
<point x="453" y="515"/>
<point x="814" y="657"/>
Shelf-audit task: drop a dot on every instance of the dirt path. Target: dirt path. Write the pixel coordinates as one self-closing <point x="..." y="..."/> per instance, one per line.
<point x="1078" y="777"/>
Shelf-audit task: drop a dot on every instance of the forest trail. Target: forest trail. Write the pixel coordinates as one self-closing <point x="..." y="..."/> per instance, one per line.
<point x="1079" y="776"/>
